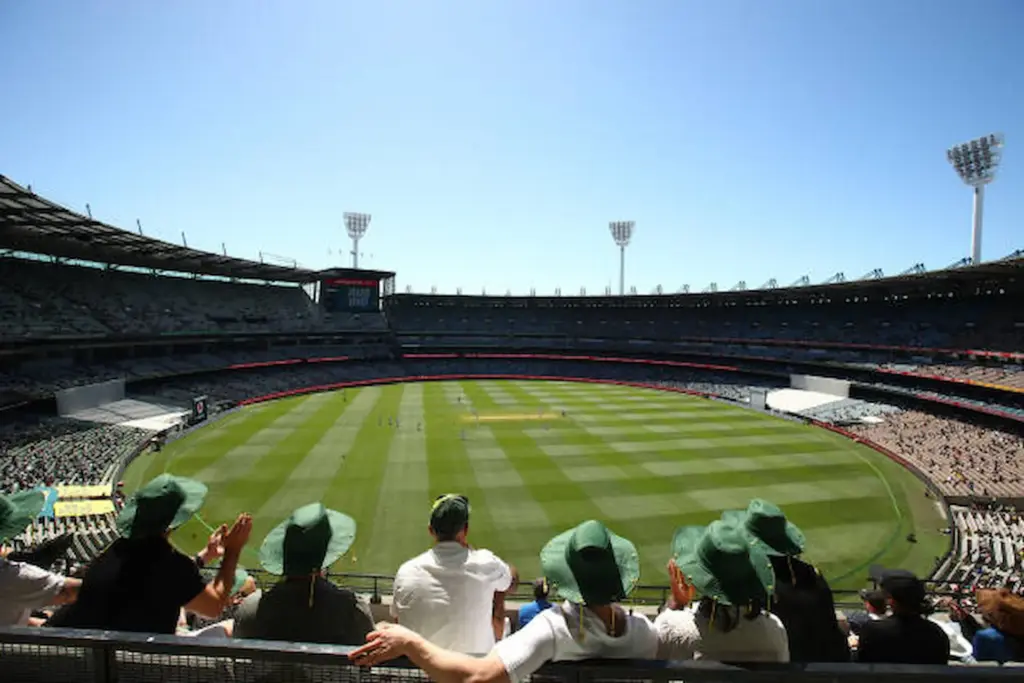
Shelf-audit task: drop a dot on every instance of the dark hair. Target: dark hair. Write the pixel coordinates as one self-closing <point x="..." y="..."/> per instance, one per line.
<point x="448" y="535"/>
<point x="727" y="617"/>
<point x="540" y="589"/>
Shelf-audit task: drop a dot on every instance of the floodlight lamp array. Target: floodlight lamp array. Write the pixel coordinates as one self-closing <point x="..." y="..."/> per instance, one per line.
<point x="356" y="224"/>
<point x="622" y="231"/>
<point x="976" y="161"/>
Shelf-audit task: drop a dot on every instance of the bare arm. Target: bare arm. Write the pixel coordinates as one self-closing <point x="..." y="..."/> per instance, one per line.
<point x="440" y="665"/>
<point x="68" y="592"/>
<point x="215" y="597"/>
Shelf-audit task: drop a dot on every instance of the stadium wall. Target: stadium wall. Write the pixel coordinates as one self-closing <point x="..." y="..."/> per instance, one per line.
<point x="77" y="399"/>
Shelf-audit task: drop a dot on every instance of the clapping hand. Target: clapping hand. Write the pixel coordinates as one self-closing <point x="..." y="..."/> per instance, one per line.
<point x="238" y="535"/>
<point x="683" y="592"/>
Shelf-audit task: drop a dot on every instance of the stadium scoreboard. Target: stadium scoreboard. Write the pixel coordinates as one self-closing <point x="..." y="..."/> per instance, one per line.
<point x="350" y="294"/>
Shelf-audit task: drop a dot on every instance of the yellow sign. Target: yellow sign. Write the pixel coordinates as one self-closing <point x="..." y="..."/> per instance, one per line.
<point x="97" y="491"/>
<point x="81" y="508"/>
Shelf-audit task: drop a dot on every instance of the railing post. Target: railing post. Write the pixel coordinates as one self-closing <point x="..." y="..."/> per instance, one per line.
<point x="102" y="661"/>
<point x="375" y="599"/>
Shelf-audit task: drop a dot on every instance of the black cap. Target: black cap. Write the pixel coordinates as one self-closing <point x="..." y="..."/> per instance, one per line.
<point x="903" y="587"/>
<point x="449" y="514"/>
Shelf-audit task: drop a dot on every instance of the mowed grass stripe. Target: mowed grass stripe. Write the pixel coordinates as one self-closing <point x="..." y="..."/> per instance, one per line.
<point x="455" y="466"/>
<point x="192" y="453"/>
<point x="273" y="453"/>
<point x="610" y="477"/>
<point x="355" y="489"/>
<point x="325" y="452"/>
<point x="404" y="492"/>
<point x="538" y="472"/>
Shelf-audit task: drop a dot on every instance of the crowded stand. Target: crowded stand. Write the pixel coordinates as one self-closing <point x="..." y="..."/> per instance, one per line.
<point x="960" y="458"/>
<point x="66" y="452"/>
<point x="990" y="553"/>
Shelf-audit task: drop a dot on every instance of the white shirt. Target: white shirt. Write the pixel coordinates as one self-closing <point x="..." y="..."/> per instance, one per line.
<point x="24" y="587"/>
<point x="554" y="635"/>
<point x="684" y="634"/>
<point x="447" y="596"/>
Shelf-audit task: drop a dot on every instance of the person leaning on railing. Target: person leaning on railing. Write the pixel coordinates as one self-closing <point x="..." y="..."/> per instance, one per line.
<point x="592" y="569"/>
<point x="141" y="581"/>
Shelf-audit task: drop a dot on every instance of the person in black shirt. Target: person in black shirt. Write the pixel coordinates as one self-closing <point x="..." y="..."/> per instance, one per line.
<point x="802" y="599"/>
<point x="906" y="637"/>
<point x="141" y="581"/>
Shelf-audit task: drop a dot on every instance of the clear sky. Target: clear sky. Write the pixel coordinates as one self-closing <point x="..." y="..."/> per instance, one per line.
<point x="493" y="141"/>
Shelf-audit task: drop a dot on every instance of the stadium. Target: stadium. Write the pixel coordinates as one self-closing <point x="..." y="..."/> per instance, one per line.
<point x="883" y="414"/>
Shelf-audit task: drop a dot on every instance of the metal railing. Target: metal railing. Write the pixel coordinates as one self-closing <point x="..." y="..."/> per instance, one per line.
<point x="78" y="656"/>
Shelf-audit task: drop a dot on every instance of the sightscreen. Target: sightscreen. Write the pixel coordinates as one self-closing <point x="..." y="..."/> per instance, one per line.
<point x="350" y="295"/>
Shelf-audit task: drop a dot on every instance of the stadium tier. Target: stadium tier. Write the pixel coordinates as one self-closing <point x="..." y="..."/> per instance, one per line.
<point x="883" y="416"/>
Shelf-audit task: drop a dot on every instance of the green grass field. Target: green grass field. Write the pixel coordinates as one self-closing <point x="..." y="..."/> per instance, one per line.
<point x="643" y="461"/>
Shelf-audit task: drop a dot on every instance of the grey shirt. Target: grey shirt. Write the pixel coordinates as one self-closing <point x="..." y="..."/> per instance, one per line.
<point x="337" y="615"/>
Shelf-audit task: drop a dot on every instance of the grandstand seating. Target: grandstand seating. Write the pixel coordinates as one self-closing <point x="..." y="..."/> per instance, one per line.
<point x="46" y="301"/>
<point x="989" y="552"/>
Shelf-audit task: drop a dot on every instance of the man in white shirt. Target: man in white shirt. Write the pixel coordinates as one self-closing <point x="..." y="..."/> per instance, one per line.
<point x="447" y="593"/>
<point x="24" y="587"/>
<point x="592" y="569"/>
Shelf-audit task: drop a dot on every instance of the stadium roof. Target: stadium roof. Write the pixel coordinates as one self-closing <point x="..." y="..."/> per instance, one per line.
<point x="1007" y="273"/>
<point x="33" y="224"/>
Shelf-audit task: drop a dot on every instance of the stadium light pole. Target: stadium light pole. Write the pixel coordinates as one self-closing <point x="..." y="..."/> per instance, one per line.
<point x="622" y="232"/>
<point x="356" y="225"/>
<point x="976" y="162"/>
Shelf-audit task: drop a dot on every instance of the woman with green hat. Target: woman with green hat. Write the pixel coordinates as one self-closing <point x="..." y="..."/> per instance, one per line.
<point x="141" y="581"/>
<point x="802" y="598"/>
<point x="733" y="580"/>
<point x="592" y="569"/>
<point x="304" y="606"/>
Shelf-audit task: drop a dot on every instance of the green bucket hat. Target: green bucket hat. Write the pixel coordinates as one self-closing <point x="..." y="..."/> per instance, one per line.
<point x="590" y="565"/>
<point x="311" y="539"/>
<point x="165" y="503"/>
<point x="18" y="511"/>
<point x="768" y="527"/>
<point x="722" y="564"/>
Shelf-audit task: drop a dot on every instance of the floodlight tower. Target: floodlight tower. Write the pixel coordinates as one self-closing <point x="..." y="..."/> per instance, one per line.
<point x="976" y="163"/>
<point x="356" y="225"/>
<point x="622" y="232"/>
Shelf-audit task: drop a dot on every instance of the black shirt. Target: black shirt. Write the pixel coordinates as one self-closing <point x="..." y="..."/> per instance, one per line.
<point x="135" y="585"/>
<point x="335" y="615"/>
<point x="903" y="640"/>
<point x="803" y="602"/>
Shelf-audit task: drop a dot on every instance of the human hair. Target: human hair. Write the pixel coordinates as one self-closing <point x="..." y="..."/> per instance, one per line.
<point x="726" y="618"/>
<point x="448" y="535"/>
<point x="540" y="589"/>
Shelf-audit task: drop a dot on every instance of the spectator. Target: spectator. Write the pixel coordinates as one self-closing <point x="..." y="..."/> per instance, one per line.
<point x="907" y="636"/>
<point x="802" y="598"/>
<point x="875" y="608"/>
<point x="243" y="586"/>
<point x="540" y="603"/>
<point x="304" y="606"/>
<point x="729" y="623"/>
<point x="1003" y="640"/>
<point x="591" y="568"/>
<point x="499" y="620"/>
<point x="447" y="593"/>
<point x="141" y="581"/>
<point x="25" y="587"/>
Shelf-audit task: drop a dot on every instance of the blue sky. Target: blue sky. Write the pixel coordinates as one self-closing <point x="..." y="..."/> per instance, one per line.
<point x="493" y="141"/>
